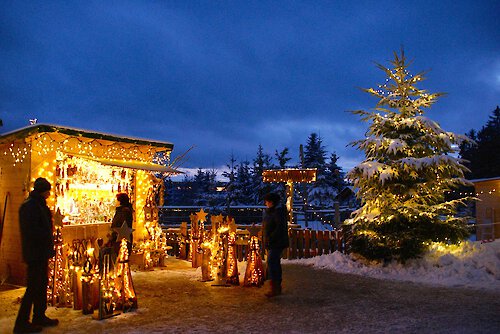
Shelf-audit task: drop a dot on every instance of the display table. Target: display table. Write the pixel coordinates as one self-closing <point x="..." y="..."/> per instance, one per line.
<point x="86" y="231"/>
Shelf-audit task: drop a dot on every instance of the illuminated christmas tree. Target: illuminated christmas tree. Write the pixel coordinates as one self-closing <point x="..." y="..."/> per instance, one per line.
<point x="408" y="168"/>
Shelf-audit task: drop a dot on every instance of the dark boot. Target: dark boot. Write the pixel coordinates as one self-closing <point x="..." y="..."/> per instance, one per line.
<point x="27" y="328"/>
<point x="275" y="289"/>
<point x="45" y="321"/>
<point x="278" y="287"/>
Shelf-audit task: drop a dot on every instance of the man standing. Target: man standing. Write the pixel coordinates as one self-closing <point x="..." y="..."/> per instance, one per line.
<point x="35" y="220"/>
<point x="275" y="240"/>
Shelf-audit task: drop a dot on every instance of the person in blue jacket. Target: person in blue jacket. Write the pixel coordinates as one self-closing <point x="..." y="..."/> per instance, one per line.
<point x="35" y="220"/>
<point x="275" y="238"/>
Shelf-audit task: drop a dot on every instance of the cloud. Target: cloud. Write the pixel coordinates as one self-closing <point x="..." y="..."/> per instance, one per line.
<point x="226" y="77"/>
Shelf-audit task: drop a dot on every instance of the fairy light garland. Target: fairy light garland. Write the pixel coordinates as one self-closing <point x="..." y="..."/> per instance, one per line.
<point x="44" y="144"/>
<point x="316" y="214"/>
<point x="472" y="193"/>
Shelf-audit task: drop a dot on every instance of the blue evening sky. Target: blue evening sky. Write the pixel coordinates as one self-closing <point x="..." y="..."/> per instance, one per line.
<point x="226" y="76"/>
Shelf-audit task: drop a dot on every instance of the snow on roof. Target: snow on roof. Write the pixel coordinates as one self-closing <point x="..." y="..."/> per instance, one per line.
<point x="485" y="179"/>
<point x="40" y="128"/>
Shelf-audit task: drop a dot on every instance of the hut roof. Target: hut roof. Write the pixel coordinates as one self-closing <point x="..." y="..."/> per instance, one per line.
<point x="48" y="128"/>
<point x="485" y="179"/>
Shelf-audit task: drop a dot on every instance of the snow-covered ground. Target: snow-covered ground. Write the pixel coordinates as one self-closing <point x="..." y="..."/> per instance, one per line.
<point x="174" y="300"/>
<point x="472" y="264"/>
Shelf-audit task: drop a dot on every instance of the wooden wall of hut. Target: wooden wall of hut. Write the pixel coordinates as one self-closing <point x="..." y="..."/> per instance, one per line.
<point x="14" y="187"/>
<point x="488" y="209"/>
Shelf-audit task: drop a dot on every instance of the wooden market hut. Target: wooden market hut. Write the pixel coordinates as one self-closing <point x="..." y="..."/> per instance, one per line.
<point x="86" y="169"/>
<point x="487" y="208"/>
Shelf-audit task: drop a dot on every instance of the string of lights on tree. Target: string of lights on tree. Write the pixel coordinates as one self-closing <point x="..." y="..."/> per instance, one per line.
<point x="492" y="191"/>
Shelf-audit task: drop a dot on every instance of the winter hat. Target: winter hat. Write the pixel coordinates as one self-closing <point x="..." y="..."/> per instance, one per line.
<point x="272" y="197"/>
<point x="41" y="185"/>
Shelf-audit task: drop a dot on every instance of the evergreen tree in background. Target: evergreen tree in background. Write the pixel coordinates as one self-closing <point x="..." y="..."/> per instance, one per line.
<point x="334" y="174"/>
<point x="319" y="193"/>
<point x="230" y="175"/>
<point x="282" y="158"/>
<point x="243" y="185"/>
<point x="212" y="197"/>
<point x="261" y="162"/>
<point x="180" y="193"/>
<point x="314" y="152"/>
<point x="408" y="167"/>
<point x="482" y="157"/>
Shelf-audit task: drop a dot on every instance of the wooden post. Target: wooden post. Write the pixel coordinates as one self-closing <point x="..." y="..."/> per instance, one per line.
<point x="326" y="242"/>
<point x="183" y="252"/>
<point x="300" y="244"/>
<point x="314" y="244"/>
<point x="289" y="201"/>
<point x="307" y="244"/>
<point x="319" y="235"/>
<point x="77" y="291"/>
<point x="337" y="214"/>
<point x="293" y="244"/>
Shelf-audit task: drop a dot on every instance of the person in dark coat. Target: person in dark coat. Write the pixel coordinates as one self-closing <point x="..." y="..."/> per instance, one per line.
<point x="123" y="214"/>
<point x="275" y="239"/>
<point x="35" y="220"/>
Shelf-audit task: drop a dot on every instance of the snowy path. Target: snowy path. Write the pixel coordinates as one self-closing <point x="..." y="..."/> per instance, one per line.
<point x="314" y="301"/>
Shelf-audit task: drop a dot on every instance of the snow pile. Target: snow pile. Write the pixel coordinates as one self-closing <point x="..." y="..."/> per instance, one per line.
<point x="472" y="264"/>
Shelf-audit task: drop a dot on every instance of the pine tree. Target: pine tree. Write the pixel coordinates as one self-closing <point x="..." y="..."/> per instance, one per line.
<point x="230" y="174"/>
<point x="205" y="189"/>
<point x="180" y="193"/>
<point x="213" y="198"/>
<point x="407" y="170"/>
<point x="261" y="162"/>
<point x="467" y="149"/>
<point x="199" y="188"/>
<point x="315" y="152"/>
<point x="319" y="193"/>
<point x="481" y="157"/>
<point x="282" y="157"/>
<point x="334" y="174"/>
<point x="243" y="189"/>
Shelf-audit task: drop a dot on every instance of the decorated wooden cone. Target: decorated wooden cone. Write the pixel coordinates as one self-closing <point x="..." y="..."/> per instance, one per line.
<point x="183" y="244"/>
<point x="254" y="273"/>
<point x="233" y="277"/>
<point x="206" y="269"/>
<point x="219" y="261"/>
<point x="56" y="287"/>
<point x="124" y="285"/>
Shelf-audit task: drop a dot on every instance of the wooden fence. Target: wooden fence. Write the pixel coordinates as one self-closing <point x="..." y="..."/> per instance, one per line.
<point x="303" y="244"/>
<point x="309" y="243"/>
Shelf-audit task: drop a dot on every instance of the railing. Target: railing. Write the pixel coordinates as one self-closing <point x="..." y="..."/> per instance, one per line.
<point x="173" y="216"/>
<point x="310" y="243"/>
<point x="304" y="243"/>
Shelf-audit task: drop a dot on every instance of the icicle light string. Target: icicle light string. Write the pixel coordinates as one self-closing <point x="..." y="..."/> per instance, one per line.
<point x="45" y="143"/>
